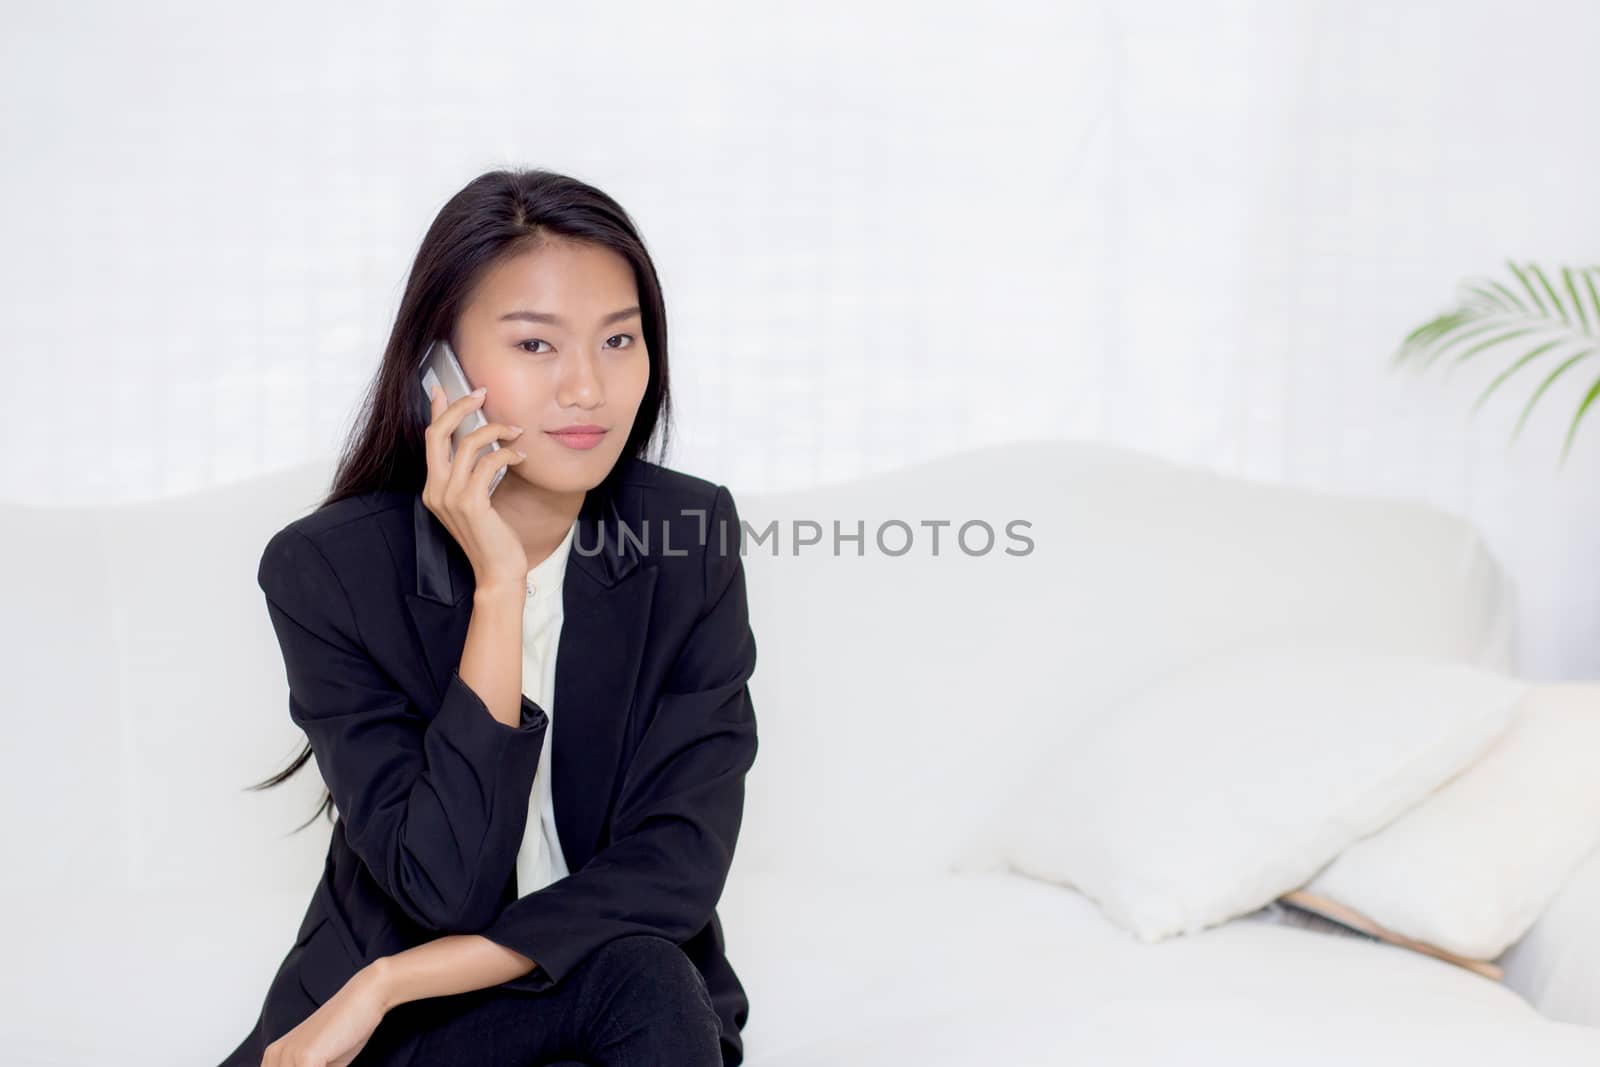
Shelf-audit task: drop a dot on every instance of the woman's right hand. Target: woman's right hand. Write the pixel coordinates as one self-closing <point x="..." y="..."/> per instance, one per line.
<point x="457" y="490"/>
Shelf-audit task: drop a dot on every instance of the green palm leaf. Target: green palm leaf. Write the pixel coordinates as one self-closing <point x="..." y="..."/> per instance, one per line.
<point x="1534" y="318"/>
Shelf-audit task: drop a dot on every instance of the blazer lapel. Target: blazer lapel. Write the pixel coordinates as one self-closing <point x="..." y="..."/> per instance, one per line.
<point x="606" y="607"/>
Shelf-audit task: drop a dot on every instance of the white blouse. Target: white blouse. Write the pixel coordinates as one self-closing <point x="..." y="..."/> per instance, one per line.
<point x="539" y="860"/>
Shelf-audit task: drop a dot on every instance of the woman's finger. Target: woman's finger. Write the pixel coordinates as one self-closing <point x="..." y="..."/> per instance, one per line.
<point x="471" y="450"/>
<point x="483" y="473"/>
<point x="440" y="435"/>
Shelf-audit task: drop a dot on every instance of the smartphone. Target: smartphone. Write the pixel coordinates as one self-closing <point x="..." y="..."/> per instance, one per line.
<point x="441" y="368"/>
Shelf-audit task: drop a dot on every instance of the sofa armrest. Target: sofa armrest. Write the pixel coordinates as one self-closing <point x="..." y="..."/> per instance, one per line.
<point x="1555" y="966"/>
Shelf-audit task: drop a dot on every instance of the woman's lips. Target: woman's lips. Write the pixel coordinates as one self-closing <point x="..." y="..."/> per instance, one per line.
<point x="579" y="437"/>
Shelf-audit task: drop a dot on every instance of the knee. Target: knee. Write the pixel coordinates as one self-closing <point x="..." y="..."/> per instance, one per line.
<point x="655" y="974"/>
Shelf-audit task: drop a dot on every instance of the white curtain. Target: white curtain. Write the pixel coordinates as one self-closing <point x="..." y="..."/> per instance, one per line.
<point x="885" y="232"/>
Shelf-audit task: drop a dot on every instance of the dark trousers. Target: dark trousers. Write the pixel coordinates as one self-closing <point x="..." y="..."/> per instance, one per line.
<point x="637" y="1001"/>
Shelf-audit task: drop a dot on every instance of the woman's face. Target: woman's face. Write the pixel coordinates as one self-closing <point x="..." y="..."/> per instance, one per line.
<point x="555" y="336"/>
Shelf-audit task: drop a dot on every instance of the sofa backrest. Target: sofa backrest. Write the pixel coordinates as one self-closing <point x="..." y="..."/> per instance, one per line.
<point x="898" y="697"/>
<point x="894" y="694"/>
<point x="152" y="694"/>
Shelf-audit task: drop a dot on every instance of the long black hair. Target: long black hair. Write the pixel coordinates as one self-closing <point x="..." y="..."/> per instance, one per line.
<point x="497" y="215"/>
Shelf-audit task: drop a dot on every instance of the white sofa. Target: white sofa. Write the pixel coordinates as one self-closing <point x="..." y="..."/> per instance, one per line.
<point x="152" y="896"/>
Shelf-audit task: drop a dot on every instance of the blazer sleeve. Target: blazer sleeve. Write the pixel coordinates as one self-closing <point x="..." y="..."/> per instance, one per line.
<point x="677" y="816"/>
<point x="422" y="800"/>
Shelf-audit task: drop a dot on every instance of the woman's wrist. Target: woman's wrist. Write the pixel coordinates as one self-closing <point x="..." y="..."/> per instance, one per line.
<point x="455" y="963"/>
<point x="381" y="978"/>
<point x="497" y="589"/>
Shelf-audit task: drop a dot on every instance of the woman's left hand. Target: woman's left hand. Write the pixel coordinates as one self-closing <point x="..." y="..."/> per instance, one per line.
<point x="335" y="1033"/>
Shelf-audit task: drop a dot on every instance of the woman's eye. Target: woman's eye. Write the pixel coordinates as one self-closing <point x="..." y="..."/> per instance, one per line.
<point x="536" y="341"/>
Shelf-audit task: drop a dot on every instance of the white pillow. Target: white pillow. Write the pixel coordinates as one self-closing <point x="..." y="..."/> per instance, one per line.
<point x="1471" y="867"/>
<point x="1553" y="965"/>
<point x="1228" y="783"/>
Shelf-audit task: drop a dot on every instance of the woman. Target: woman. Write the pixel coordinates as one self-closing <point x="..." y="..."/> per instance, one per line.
<point x="493" y="895"/>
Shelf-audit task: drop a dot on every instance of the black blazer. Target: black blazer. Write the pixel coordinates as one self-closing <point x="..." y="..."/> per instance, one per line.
<point x="370" y="598"/>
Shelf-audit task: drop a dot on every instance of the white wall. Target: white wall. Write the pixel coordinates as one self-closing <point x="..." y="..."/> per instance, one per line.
<point x="885" y="231"/>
